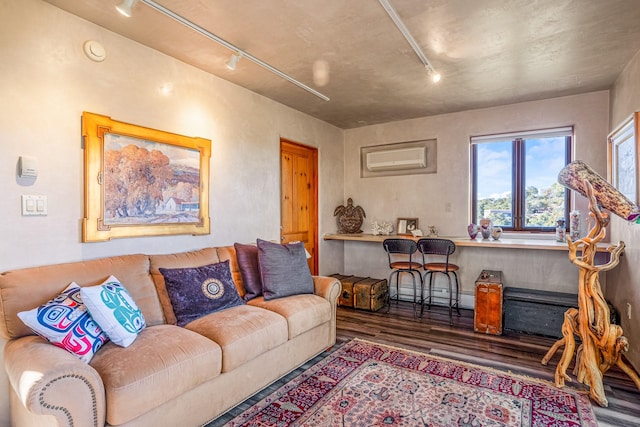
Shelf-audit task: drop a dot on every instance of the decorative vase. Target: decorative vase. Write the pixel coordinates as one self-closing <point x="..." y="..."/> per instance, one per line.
<point x="496" y="232"/>
<point x="574" y="225"/>
<point x="560" y="230"/>
<point x="485" y="228"/>
<point x="472" y="229"/>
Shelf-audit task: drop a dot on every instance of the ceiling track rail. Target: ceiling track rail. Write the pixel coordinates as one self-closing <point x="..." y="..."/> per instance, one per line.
<point x="407" y="35"/>
<point x="169" y="13"/>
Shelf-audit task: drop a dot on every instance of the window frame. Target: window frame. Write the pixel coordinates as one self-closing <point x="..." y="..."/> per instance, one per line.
<point x="518" y="153"/>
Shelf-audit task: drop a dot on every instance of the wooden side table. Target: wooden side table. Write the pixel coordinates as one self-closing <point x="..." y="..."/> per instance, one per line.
<point x="487" y="315"/>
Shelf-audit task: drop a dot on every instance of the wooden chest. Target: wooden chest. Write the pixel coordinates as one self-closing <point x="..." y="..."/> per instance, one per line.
<point x="370" y="294"/>
<point x="536" y="312"/>
<point x="362" y="292"/>
<point x="487" y="315"/>
<point x="345" y="299"/>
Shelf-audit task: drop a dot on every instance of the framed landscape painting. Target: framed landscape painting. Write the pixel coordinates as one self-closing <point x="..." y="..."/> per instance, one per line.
<point x="143" y="182"/>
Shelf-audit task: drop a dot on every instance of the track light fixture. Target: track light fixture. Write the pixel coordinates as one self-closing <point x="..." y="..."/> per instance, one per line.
<point x="125" y="7"/>
<point x="233" y="61"/>
<point x="435" y="76"/>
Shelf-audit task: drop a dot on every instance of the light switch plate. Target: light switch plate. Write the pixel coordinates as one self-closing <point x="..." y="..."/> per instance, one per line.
<point x="34" y="205"/>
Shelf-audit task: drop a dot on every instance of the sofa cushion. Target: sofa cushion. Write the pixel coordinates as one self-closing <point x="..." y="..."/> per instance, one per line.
<point x="303" y="312"/>
<point x="179" y="260"/>
<point x="65" y="322"/>
<point x="164" y="362"/>
<point x="114" y="311"/>
<point x="198" y="291"/>
<point x="244" y="332"/>
<point x="283" y="269"/>
<point x="247" y="256"/>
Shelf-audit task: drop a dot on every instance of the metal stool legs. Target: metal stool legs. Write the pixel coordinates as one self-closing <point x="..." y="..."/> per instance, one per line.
<point x="443" y="248"/>
<point x="457" y="302"/>
<point x="397" y="295"/>
<point x="400" y="254"/>
<point x="454" y="297"/>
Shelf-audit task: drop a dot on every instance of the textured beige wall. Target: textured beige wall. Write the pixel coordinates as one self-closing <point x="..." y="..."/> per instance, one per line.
<point x="46" y="82"/>
<point x="623" y="283"/>
<point x="427" y="197"/>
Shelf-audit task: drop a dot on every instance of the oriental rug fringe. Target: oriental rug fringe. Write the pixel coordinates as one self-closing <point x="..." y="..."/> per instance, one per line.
<point x="368" y="384"/>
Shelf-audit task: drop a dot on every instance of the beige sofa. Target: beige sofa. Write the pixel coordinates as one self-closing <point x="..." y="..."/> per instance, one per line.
<point x="169" y="376"/>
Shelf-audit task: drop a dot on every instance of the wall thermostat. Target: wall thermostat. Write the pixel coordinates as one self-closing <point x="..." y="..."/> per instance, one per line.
<point x="27" y="167"/>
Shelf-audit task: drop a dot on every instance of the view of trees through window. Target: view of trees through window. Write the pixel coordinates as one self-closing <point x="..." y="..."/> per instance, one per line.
<point x="515" y="182"/>
<point x="544" y="207"/>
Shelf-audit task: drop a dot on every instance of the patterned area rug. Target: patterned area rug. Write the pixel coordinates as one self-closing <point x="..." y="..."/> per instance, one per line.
<point x="366" y="384"/>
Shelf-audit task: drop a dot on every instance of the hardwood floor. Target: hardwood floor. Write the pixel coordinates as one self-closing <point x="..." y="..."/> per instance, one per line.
<point x="519" y="353"/>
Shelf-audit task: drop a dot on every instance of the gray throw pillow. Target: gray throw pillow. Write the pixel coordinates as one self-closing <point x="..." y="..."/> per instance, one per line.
<point x="283" y="269"/>
<point x="196" y="292"/>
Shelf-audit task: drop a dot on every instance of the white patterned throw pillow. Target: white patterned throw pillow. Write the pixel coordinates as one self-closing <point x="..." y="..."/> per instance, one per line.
<point x="65" y="322"/>
<point x="114" y="310"/>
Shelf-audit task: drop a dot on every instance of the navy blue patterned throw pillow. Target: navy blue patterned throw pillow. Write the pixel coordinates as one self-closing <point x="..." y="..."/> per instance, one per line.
<point x="196" y="292"/>
<point x="283" y="269"/>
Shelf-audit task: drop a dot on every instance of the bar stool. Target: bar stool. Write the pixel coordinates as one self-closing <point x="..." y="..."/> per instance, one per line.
<point x="400" y="253"/>
<point x="442" y="248"/>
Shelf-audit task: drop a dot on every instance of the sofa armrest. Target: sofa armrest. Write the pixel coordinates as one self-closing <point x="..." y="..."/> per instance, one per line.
<point x="327" y="287"/>
<point x="50" y="381"/>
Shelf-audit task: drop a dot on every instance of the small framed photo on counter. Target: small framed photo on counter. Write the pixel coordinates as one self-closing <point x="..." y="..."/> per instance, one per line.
<point x="407" y="225"/>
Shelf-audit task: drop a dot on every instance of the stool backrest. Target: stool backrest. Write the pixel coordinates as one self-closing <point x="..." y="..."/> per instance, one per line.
<point x="434" y="246"/>
<point x="400" y="247"/>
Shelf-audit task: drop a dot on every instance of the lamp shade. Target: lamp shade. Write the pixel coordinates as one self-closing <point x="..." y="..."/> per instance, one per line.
<point x="574" y="176"/>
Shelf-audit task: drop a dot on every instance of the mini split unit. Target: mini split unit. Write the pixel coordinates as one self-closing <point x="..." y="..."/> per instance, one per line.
<point x="398" y="159"/>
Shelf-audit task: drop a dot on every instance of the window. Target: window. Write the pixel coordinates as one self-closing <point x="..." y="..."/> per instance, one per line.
<point x="515" y="179"/>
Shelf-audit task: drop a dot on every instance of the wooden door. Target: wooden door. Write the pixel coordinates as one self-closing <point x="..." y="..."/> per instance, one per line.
<point x="299" y="197"/>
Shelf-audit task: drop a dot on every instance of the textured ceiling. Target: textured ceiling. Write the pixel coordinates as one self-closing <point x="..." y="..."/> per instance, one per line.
<point x="489" y="52"/>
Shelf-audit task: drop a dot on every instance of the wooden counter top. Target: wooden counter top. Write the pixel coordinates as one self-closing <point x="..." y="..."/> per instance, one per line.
<point x="504" y="242"/>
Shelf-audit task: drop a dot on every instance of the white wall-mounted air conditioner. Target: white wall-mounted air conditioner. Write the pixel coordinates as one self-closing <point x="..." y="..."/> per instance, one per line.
<point x="403" y="158"/>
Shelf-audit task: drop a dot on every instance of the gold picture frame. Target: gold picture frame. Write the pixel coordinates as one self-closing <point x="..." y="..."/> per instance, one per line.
<point x="142" y="182"/>
<point x="406" y="226"/>
<point x="622" y="158"/>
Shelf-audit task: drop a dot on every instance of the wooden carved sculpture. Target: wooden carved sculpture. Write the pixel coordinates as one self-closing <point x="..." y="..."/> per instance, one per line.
<point x="602" y="342"/>
<point x="349" y="218"/>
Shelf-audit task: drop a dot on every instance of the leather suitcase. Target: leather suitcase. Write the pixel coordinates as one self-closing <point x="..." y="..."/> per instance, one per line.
<point x="487" y="315"/>
<point x="370" y="294"/>
<point x="345" y="299"/>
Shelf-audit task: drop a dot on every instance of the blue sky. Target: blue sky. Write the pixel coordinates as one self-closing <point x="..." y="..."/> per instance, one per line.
<point x="544" y="157"/>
